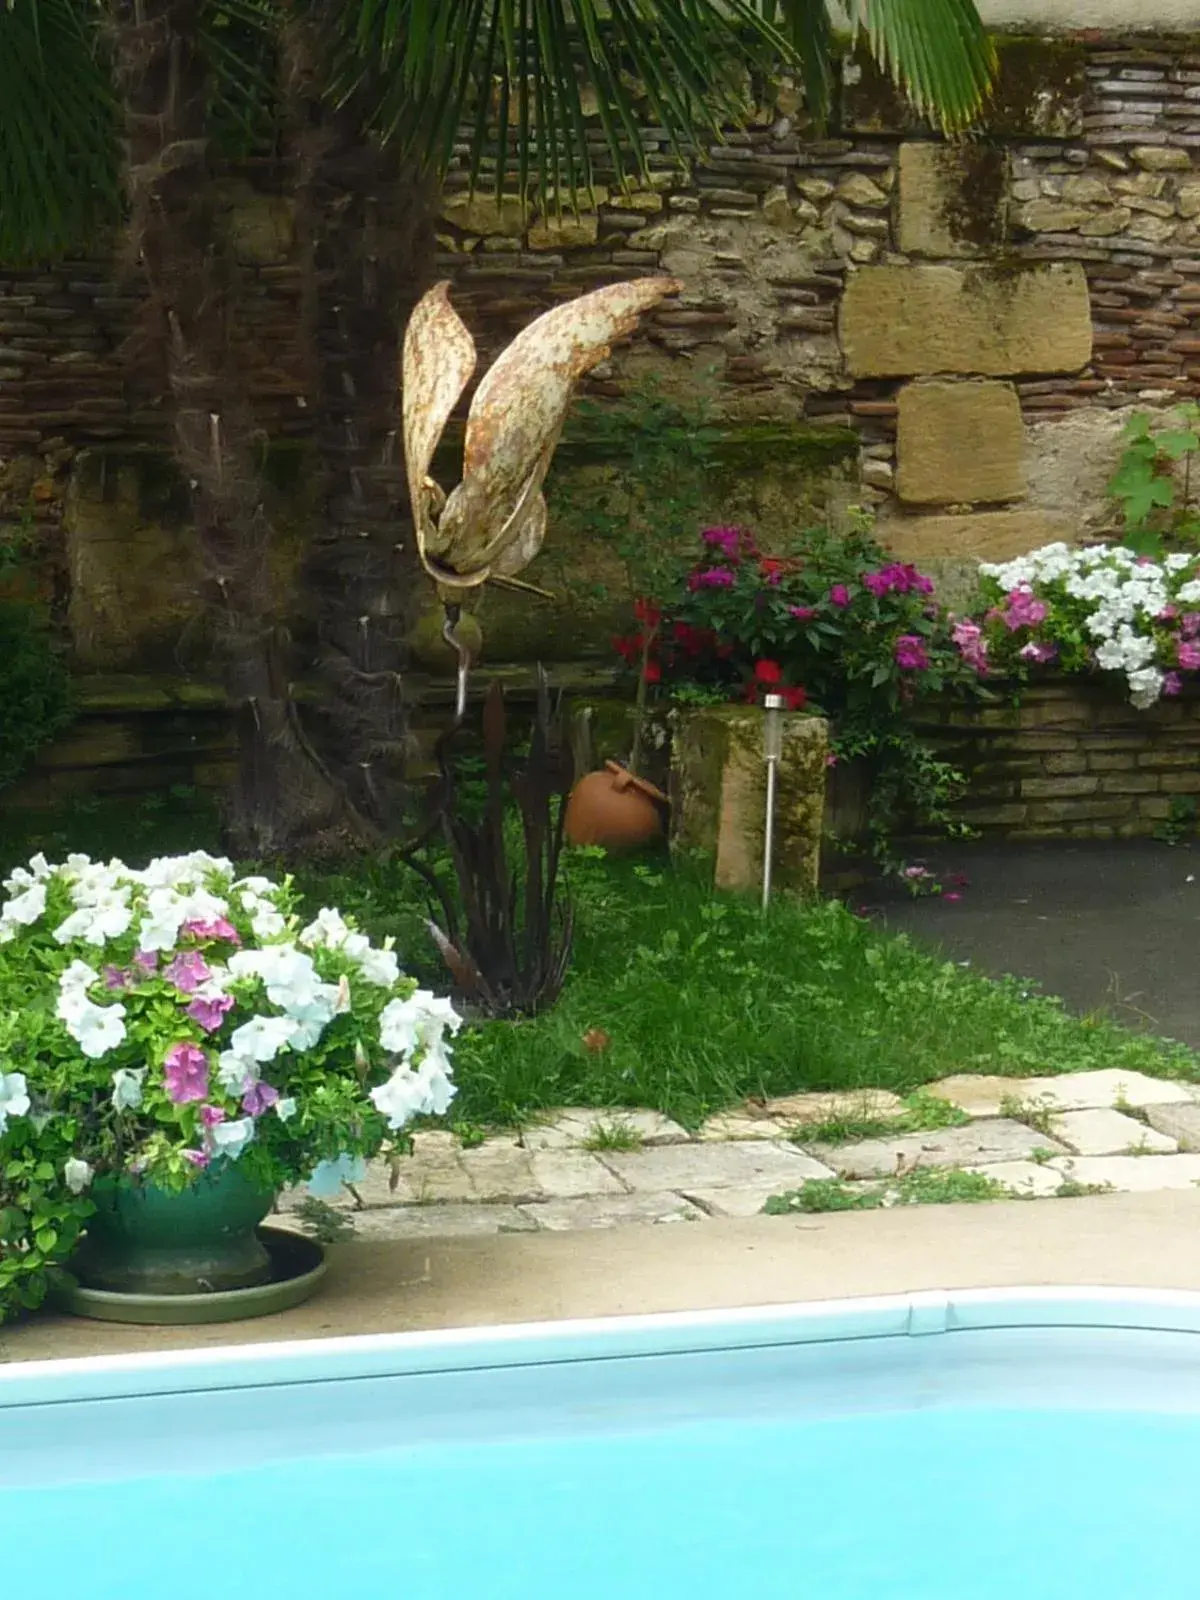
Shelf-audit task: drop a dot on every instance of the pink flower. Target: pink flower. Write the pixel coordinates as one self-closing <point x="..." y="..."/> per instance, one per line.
<point x="185" y="1069"/>
<point x="116" y="978"/>
<point x="952" y="896"/>
<point x="1023" y="610"/>
<point x="839" y="596"/>
<point x="972" y="646"/>
<point x="712" y="578"/>
<point x="188" y="971"/>
<point x="802" y="613"/>
<point x="212" y="928"/>
<point x="146" y="961"/>
<point x="210" y="1116"/>
<point x="259" y="1097"/>
<point x="1040" y="654"/>
<point x="1167" y="614"/>
<point x="879" y="583"/>
<point x="726" y="539"/>
<point x="1189" y="625"/>
<point x="910" y="653"/>
<point x="210" y="1013"/>
<point x="1172" y="683"/>
<point x="198" y="1158"/>
<point x="1188" y="655"/>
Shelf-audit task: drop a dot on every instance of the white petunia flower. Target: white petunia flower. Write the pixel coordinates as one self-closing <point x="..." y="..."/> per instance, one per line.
<point x="235" y="1073"/>
<point x="329" y="1176"/>
<point x="262" y="1038"/>
<point x="231" y="1138"/>
<point x="328" y="930"/>
<point x="420" y="1020"/>
<point x="14" y="1096"/>
<point x="78" y="1174"/>
<point x="96" y="1029"/>
<point x="23" y="910"/>
<point x="285" y="1109"/>
<point x="128" y="1088"/>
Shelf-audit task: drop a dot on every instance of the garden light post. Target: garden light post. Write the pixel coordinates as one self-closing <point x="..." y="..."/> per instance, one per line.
<point x="773" y="705"/>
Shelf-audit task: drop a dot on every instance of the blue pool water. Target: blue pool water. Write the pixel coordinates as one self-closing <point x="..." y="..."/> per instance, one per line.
<point x="1045" y="1463"/>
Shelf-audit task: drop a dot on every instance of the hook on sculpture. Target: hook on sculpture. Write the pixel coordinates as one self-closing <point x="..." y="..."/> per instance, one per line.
<point x="492" y="525"/>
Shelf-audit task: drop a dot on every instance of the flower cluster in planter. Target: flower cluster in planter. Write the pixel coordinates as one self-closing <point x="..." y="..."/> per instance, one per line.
<point x="1101" y="608"/>
<point x="835" y="625"/>
<point x="157" y="1021"/>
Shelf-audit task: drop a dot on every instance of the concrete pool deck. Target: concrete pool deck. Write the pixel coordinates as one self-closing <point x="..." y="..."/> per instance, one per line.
<point x="1118" y="1240"/>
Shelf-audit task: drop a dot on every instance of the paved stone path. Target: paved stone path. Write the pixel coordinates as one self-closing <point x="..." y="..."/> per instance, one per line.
<point x="600" y="1169"/>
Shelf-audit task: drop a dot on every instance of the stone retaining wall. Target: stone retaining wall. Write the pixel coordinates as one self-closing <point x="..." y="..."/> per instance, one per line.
<point x="1074" y="760"/>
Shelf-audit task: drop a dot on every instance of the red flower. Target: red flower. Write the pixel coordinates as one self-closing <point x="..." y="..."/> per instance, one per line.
<point x="629" y="648"/>
<point x="653" y="672"/>
<point x="768" y="672"/>
<point x="796" y="698"/>
<point x="648" y="612"/>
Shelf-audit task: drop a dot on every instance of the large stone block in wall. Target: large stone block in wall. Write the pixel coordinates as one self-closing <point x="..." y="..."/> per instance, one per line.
<point x="995" y="321"/>
<point x="959" y="443"/>
<point x="953" y="199"/>
<point x="974" y="535"/>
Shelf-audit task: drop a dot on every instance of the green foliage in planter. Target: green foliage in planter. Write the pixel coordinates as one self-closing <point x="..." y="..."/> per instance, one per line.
<point x="1154" y="481"/>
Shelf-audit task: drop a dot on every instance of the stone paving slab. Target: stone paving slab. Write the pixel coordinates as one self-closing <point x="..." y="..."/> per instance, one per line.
<point x="1181" y="1123"/>
<point x="730" y="1125"/>
<point x="715" y="1166"/>
<point x="1131" y="1174"/>
<point x="577" y="1126"/>
<point x="610" y="1211"/>
<point x="1023" y="1177"/>
<point x="747" y="1202"/>
<point x="453" y="1221"/>
<point x="1074" y="1091"/>
<point x="1109" y="1133"/>
<point x="997" y="1139"/>
<point x="794" y="1109"/>
<point x="567" y="1174"/>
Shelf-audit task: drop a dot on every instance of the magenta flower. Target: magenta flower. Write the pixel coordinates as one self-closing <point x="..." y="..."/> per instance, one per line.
<point x="210" y="1013"/>
<point x="116" y="978"/>
<point x="839" y="596"/>
<point x="259" y="1097"/>
<point x="185" y="1069"/>
<point x="879" y="583"/>
<point x="212" y="928"/>
<point x="712" y="578"/>
<point x="146" y="961"/>
<point x="188" y="971"/>
<point x="210" y="1116"/>
<point x="910" y="653"/>
<point x="1188" y="655"/>
<point x="1167" y="614"/>
<point x="1023" y="610"/>
<point x="802" y="613"/>
<point x="198" y="1158"/>
<point x="1189" y="624"/>
<point x="972" y="646"/>
<point x="726" y="539"/>
<point x="1172" y="683"/>
<point x="1038" y="653"/>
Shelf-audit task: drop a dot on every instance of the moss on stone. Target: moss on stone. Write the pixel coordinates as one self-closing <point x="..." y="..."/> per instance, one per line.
<point x="1039" y="88"/>
<point x="976" y="209"/>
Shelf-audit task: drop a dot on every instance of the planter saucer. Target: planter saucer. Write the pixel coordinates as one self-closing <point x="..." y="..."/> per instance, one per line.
<point x="298" y="1264"/>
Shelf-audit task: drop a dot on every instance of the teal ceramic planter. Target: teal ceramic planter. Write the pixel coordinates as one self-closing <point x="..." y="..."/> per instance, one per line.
<point x="149" y="1241"/>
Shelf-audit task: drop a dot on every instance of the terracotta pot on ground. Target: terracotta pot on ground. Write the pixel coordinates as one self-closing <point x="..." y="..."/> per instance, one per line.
<point x="614" y="809"/>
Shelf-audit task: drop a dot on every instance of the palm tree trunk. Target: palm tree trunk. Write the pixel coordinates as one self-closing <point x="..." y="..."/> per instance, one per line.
<point x="283" y="793"/>
<point x="366" y="226"/>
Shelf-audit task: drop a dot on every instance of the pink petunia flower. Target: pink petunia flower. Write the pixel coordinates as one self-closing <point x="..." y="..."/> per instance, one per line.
<point x="212" y="928"/>
<point x="259" y="1097"/>
<point x="1172" y="683"/>
<point x="210" y="1013"/>
<point x="1188" y="655"/>
<point x="185" y="1069"/>
<point x="1023" y="609"/>
<point x="187" y="971"/>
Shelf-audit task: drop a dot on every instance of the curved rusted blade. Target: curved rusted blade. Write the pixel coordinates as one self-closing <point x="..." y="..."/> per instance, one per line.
<point x="518" y="412"/>
<point x="439" y="358"/>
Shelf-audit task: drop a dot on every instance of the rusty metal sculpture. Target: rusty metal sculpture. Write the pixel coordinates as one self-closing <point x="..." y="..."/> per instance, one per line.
<point x="492" y="525"/>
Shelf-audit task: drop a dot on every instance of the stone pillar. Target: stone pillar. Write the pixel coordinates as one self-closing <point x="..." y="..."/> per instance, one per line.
<point x="718" y="795"/>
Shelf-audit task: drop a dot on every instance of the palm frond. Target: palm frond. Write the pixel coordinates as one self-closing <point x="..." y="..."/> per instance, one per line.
<point x="938" y="51"/>
<point x="59" y="152"/>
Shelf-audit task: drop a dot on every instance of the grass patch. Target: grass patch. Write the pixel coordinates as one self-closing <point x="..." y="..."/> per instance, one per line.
<point x="927" y="1186"/>
<point x="614" y="1135"/>
<point x="922" y="1113"/>
<point x="1037" y="1113"/>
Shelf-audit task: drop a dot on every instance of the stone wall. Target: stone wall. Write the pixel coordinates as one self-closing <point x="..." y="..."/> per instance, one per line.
<point x="973" y="322"/>
<point x="1073" y="759"/>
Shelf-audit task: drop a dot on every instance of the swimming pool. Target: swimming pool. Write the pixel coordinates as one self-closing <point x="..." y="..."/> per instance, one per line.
<point x="928" y="1447"/>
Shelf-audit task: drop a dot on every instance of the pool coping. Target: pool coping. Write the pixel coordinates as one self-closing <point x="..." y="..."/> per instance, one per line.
<point x="921" y="1314"/>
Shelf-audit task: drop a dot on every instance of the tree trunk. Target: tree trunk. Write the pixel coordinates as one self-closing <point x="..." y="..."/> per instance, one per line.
<point x="284" y="793"/>
<point x="367" y="238"/>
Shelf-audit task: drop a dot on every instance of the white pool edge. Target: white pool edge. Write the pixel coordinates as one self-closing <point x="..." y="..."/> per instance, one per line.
<point x="918" y="1315"/>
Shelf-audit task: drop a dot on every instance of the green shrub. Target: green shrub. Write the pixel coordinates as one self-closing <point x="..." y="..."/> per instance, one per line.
<point x="35" y="688"/>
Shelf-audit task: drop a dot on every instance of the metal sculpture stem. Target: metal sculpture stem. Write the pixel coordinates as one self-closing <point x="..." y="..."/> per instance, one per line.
<point x="450" y="635"/>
